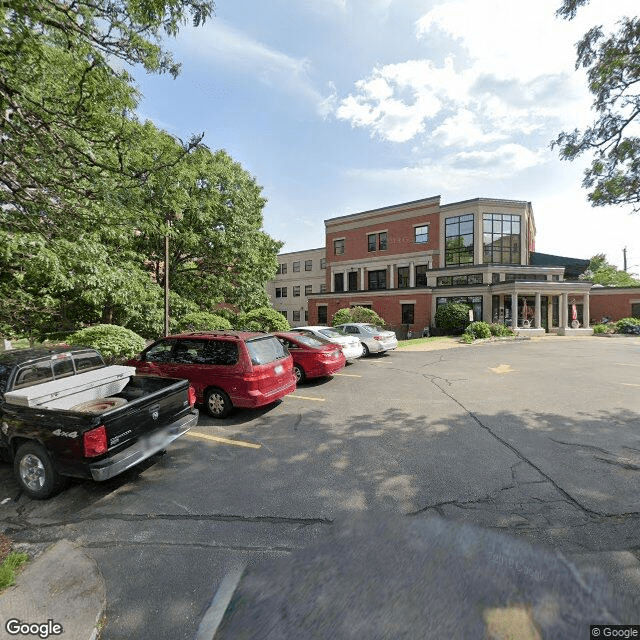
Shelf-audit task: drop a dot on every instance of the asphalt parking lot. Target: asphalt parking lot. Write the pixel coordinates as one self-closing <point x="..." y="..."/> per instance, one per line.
<point x="539" y="439"/>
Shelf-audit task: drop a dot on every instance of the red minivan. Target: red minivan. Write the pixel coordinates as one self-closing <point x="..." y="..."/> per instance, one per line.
<point x="226" y="368"/>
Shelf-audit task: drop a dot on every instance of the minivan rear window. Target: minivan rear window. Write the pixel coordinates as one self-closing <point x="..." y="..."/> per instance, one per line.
<point x="265" y="350"/>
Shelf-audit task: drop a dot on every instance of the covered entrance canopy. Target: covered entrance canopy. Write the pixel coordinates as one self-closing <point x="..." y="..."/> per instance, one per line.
<point x="539" y="306"/>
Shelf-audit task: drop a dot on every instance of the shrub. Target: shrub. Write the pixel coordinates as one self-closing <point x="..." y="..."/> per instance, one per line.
<point x="203" y="321"/>
<point x="9" y="567"/>
<point x="479" y="329"/>
<point x="112" y="341"/>
<point x="599" y="328"/>
<point x="500" y="330"/>
<point x="357" y="314"/>
<point x="628" y="325"/>
<point x="452" y="317"/>
<point x="467" y="337"/>
<point x="263" y="319"/>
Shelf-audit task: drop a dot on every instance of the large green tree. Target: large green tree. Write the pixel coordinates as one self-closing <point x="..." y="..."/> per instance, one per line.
<point x="612" y="63"/>
<point x="608" y="275"/>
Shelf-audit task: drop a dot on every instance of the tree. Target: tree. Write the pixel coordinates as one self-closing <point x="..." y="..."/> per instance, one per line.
<point x="612" y="63"/>
<point x="601" y="272"/>
<point x="66" y="119"/>
<point x="263" y="319"/>
<point x="453" y="317"/>
<point x="357" y="314"/>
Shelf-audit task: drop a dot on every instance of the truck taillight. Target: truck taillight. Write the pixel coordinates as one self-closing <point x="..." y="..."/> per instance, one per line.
<point x="192" y="396"/>
<point x="95" y="442"/>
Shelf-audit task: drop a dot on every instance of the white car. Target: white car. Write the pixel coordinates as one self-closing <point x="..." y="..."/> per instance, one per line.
<point x="351" y="346"/>
<point x="373" y="339"/>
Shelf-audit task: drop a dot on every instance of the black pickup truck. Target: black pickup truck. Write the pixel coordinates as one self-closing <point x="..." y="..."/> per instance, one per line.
<point x="63" y="412"/>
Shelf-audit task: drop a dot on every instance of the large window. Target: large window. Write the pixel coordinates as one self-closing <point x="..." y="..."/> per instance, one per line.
<point x="421" y="234"/>
<point x="403" y="277"/>
<point x="377" y="241"/>
<point x="459" y="280"/>
<point x="501" y="238"/>
<point x="421" y="275"/>
<point x="475" y="302"/>
<point x="308" y="289"/>
<point x="371" y="242"/>
<point x="338" y="247"/>
<point x="407" y="313"/>
<point x="352" y="283"/>
<point x="338" y="282"/>
<point x="296" y="266"/>
<point x="296" y="291"/>
<point x="378" y="279"/>
<point x="458" y="240"/>
<point x="322" y="315"/>
<point x="635" y="309"/>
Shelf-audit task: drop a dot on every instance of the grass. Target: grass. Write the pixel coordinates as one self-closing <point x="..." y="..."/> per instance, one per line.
<point x="414" y="341"/>
<point x="11" y="561"/>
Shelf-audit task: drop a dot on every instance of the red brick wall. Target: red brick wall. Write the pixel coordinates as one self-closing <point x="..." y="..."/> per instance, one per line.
<point x="611" y="303"/>
<point x="388" y="307"/>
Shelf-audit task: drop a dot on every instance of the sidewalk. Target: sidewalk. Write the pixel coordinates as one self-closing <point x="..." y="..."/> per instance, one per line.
<point x="60" y="587"/>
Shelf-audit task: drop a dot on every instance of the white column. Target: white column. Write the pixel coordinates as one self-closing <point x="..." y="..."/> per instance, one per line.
<point x="514" y="310"/>
<point x="564" y="311"/>
<point x="412" y="274"/>
<point x="392" y="276"/>
<point x="332" y="280"/>
<point x="361" y="287"/>
<point x="537" y="317"/>
<point x="585" y="310"/>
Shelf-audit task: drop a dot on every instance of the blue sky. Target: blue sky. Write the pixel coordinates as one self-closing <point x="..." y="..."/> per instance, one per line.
<point x="339" y="106"/>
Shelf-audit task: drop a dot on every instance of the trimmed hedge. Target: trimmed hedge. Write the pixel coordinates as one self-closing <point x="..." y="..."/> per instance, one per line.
<point x="357" y="314"/>
<point x="453" y="317"/>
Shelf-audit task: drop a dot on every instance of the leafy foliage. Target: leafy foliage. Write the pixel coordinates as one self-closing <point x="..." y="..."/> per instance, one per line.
<point x="600" y="328"/>
<point x="203" y="321"/>
<point x="612" y="63"/>
<point x="500" y="330"/>
<point x="112" y="341"/>
<point x="628" y="325"/>
<point x="479" y="329"/>
<point x="601" y="272"/>
<point x="467" y="337"/>
<point x="452" y="317"/>
<point x="263" y="319"/>
<point x="9" y="567"/>
<point x="357" y="314"/>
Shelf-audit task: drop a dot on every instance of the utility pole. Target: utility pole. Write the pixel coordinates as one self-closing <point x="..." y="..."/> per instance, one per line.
<point x="166" y="283"/>
<point x="624" y="258"/>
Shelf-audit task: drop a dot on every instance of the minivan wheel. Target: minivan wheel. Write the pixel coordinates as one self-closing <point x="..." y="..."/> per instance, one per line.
<point x="217" y="403"/>
<point x="35" y="471"/>
<point x="299" y="373"/>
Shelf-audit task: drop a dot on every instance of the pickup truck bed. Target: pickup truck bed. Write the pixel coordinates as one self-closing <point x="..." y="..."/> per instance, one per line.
<point x="50" y="432"/>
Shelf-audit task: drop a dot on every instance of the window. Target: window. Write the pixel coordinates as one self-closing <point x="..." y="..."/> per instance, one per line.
<point x="87" y="361"/>
<point x="221" y="352"/>
<point x="160" y="352"/>
<point x="63" y="367"/>
<point x="338" y="247"/>
<point x="296" y="266"/>
<point x="495" y="277"/>
<point x="421" y="275"/>
<point x="475" y="302"/>
<point x="378" y="279"/>
<point x="283" y="268"/>
<point x="459" y="280"/>
<point x="323" y="263"/>
<point x="190" y="352"/>
<point x="284" y="292"/>
<point x="501" y="238"/>
<point x="421" y="234"/>
<point x="279" y="292"/>
<point x="284" y="313"/>
<point x="296" y="291"/>
<point x="352" y="281"/>
<point x="514" y="277"/>
<point x="322" y="315"/>
<point x="338" y="282"/>
<point x="323" y="288"/>
<point x="377" y="240"/>
<point x="407" y="313"/>
<point x="308" y="289"/>
<point x="306" y="316"/>
<point x="635" y="309"/>
<point x="37" y="373"/>
<point x="458" y="240"/>
<point x="296" y="316"/>
<point x="403" y="277"/>
<point x="308" y="265"/>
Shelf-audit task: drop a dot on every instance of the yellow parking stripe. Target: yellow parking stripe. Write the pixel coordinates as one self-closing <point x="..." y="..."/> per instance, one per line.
<point x="239" y="443"/>
<point x="347" y="375"/>
<point x="306" y="398"/>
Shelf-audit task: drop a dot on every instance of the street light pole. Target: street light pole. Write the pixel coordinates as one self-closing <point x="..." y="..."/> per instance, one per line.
<point x="166" y="282"/>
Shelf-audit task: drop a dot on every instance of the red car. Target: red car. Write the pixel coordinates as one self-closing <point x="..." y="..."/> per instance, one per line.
<point x="226" y="368"/>
<point x="312" y="358"/>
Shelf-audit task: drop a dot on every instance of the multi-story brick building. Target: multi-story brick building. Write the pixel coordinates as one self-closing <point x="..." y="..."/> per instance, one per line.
<point x="300" y="273"/>
<point x="405" y="260"/>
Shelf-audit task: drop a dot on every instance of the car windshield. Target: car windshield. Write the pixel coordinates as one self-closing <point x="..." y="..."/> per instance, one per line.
<point x="310" y="341"/>
<point x="331" y="333"/>
<point x="372" y="328"/>
<point x="265" y="350"/>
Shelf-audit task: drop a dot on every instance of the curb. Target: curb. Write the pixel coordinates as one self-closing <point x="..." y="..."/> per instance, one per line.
<point x="64" y="587"/>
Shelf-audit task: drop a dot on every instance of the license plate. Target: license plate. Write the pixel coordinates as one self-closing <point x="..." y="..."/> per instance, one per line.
<point x="279" y="369"/>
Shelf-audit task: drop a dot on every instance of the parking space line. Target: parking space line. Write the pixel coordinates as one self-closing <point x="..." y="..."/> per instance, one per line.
<point x="239" y="443"/>
<point x="625" y="364"/>
<point x="306" y="398"/>
<point x="347" y="375"/>
<point x="630" y="384"/>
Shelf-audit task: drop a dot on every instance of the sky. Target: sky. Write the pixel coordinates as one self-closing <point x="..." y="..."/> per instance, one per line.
<point x="342" y="106"/>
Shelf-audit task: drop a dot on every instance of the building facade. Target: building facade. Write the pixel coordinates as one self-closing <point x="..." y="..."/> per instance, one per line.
<point x="405" y="260"/>
<point x="300" y="274"/>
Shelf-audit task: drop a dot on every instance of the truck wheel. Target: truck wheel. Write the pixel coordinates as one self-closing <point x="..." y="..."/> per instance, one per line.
<point x="217" y="403"/>
<point x="35" y="472"/>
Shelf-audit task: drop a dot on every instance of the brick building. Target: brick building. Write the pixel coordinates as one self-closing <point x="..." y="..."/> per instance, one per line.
<point x="405" y="260"/>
